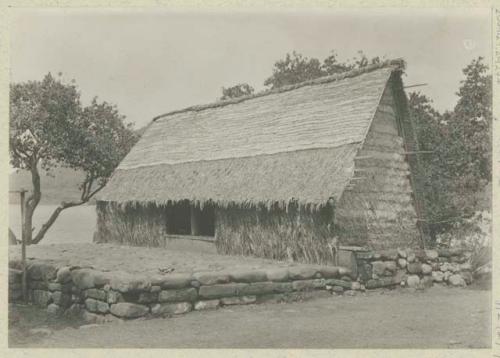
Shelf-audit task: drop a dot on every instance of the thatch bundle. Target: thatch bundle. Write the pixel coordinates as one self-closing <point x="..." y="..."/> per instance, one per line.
<point x="297" y="234"/>
<point x="142" y="225"/>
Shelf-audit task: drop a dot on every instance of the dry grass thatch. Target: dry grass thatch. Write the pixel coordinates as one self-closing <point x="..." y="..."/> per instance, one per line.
<point x="138" y="226"/>
<point x="294" y="235"/>
<point x="309" y="177"/>
<point x="323" y="115"/>
<point x="295" y="144"/>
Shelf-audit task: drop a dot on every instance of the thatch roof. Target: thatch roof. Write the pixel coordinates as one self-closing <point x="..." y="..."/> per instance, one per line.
<point x="294" y="143"/>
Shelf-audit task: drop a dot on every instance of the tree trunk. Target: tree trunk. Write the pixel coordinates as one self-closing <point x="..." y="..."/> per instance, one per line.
<point x="45" y="227"/>
<point x="32" y="203"/>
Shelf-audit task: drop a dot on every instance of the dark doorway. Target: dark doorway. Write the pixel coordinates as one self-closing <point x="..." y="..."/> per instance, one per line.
<point x="179" y="218"/>
<point x="185" y="219"/>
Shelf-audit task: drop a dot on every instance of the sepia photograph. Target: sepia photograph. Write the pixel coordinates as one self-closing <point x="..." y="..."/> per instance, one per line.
<point x="306" y="179"/>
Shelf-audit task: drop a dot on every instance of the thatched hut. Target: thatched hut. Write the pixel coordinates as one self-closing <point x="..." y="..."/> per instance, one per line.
<point x="286" y="173"/>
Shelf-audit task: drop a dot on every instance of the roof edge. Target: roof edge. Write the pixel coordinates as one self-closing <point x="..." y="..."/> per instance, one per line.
<point x="397" y="64"/>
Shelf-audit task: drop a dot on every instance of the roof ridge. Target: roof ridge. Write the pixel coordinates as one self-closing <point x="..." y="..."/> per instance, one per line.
<point x="396" y="64"/>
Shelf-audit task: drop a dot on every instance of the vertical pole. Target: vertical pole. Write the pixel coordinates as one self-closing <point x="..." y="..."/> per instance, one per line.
<point x="194" y="221"/>
<point x="23" y="248"/>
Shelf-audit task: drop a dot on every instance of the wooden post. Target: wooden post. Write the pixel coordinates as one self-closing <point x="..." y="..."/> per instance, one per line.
<point x="23" y="248"/>
<point x="194" y="221"/>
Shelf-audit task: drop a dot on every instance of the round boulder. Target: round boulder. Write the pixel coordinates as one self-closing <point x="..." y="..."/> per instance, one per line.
<point x="413" y="281"/>
<point x="457" y="281"/>
<point x="437" y="276"/>
<point x="426" y="269"/>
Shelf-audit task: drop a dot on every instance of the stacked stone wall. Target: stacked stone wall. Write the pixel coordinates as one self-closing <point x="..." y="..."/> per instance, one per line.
<point x="99" y="297"/>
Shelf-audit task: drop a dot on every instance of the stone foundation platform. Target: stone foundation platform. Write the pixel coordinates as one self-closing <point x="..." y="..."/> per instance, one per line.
<point x="100" y="296"/>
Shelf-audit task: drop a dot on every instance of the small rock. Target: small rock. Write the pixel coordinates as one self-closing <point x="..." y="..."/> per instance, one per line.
<point x="206" y="305"/>
<point x="102" y="307"/>
<point x="451" y="267"/>
<point x="467" y="276"/>
<point x="426" y="269"/>
<point x="402" y="253"/>
<point x="378" y="268"/>
<point x="402" y="263"/>
<point x="96" y="294"/>
<point x="356" y="286"/>
<point x="457" y="280"/>
<point x="465" y="267"/>
<point x="431" y="255"/>
<point x="390" y="266"/>
<point x="89" y="317"/>
<point x="410" y="257"/>
<point x="114" y="297"/>
<point x="91" y="304"/>
<point x="128" y="310"/>
<point x="54" y="310"/>
<point x="63" y="274"/>
<point x="415" y="267"/>
<point x="413" y="281"/>
<point x="437" y="276"/>
<point x="338" y="289"/>
<point x="168" y="309"/>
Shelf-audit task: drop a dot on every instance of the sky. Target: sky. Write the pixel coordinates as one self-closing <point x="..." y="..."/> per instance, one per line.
<point x="152" y="62"/>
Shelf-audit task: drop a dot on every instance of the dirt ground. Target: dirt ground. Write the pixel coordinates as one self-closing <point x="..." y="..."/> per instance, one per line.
<point x="436" y="318"/>
<point x="185" y="256"/>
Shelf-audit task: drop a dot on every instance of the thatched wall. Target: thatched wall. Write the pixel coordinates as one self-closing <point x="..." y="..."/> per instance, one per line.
<point x="377" y="209"/>
<point x="294" y="234"/>
<point x="138" y="225"/>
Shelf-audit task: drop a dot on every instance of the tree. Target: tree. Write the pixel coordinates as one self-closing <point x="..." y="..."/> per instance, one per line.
<point x="460" y="166"/>
<point x="292" y="69"/>
<point x="295" y="68"/>
<point x="49" y="128"/>
<point x="242" y="89"/>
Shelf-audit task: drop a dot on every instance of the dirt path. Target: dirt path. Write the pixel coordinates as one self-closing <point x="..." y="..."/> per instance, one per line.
<point x="436" y="318"/>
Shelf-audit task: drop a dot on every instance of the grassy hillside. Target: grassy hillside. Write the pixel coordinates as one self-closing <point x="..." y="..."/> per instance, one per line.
<point x="62" y="186"/>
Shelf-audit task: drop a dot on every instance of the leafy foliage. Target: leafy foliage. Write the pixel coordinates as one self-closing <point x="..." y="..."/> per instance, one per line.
<point x="295" y="68"/>
<point x="459" y="169"/>
<point x="49" y="128"/>
<point x="239" y="90"/>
